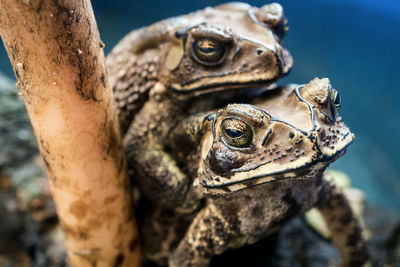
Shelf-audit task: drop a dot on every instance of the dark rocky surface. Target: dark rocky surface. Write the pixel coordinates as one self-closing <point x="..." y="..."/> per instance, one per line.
<point x="29" y="231"/>
<point x="17" y="141"/>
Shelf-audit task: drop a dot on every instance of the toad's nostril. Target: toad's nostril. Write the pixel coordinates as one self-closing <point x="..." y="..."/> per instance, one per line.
<point x="259" y="51"/>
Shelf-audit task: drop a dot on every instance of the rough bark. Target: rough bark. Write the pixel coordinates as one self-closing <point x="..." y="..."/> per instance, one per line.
<point x="58" y="60"/>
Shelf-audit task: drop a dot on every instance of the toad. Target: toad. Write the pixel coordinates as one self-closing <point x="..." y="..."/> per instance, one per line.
<point x="197" y="62"/>
<point x="260" y="165"/>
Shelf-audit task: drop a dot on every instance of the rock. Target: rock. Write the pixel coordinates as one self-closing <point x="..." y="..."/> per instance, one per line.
<point x="17" y="141"/>
<point x="29" y="230"/>
<point x="11" y="243"/>
<point x="394" y="248"/>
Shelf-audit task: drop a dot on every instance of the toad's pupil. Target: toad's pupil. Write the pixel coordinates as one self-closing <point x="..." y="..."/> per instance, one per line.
<point x="206" y="47"/>
<point x="208" y="52"/>
<point x="233" y="133"/>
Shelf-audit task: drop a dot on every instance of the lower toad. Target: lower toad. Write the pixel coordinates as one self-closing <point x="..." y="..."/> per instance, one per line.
<point x="257" y="167"/>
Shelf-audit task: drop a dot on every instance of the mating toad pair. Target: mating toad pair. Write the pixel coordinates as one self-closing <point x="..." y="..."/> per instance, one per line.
<point x="214" y="175"/>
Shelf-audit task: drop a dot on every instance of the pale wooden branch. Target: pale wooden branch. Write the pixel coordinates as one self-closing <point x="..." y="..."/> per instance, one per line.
<point x="58" y="60"/>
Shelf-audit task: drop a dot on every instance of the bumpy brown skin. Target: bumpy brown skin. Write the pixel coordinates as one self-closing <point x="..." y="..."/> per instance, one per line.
<point x="247" y="216"/>
<point x="158" y="81"/>
<point x="253" y="190"/>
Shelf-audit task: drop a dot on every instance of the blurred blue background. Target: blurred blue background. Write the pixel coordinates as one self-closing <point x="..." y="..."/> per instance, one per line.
<point x="354" y="43"/>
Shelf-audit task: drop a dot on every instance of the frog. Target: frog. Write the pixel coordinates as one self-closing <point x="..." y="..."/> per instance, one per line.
<point x="196" y="62"/>
<point x="255" y="167"/>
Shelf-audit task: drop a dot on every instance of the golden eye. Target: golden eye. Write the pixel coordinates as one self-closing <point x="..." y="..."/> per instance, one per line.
<point x="236" y="133"/>
<point x="335" y="102"/>
<point x="208" y="52"/>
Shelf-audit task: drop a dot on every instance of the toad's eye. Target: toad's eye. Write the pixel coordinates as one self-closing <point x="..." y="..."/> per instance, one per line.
<point x="208" y="52"/>
<point x="335" y="102"/>
<point x="236" y="133"/>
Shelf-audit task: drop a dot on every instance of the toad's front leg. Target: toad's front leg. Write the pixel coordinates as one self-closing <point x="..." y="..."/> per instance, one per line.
<point x="152" y="154"/>
<point x="211" y="233"/>
<point x="344" y="226"/>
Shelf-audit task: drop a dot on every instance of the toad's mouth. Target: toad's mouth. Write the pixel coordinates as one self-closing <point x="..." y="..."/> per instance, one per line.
<point x="216" y="185"/>
<point x="213" y="83"/>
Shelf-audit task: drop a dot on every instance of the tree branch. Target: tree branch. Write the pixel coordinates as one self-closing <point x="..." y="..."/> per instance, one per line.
<point x="58" y="60"/>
